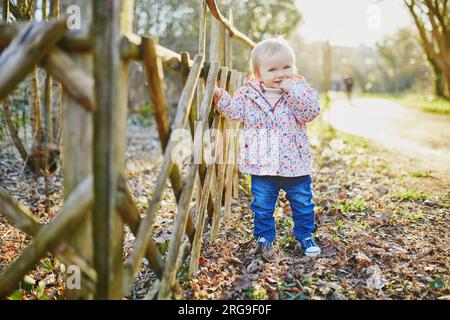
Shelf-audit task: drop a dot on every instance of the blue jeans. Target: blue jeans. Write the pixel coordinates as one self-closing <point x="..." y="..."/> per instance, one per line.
<point x="265" y="194"/>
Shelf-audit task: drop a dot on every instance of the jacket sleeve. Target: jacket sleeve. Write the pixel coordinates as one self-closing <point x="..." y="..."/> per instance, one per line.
<point x="232" y="108"/>
<point x="304" y="101"/>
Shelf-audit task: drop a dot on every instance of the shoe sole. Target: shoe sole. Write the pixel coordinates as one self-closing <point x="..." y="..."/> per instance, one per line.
<point x="309" y="254"/>
<point x="313" y="254"/>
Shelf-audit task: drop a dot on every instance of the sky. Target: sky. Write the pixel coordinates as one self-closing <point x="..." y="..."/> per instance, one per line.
<point x="351" y="22"/>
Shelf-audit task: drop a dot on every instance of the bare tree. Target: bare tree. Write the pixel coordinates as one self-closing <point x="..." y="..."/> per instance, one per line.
<point x="38" y="159"/>
<point x="432" y="18"/>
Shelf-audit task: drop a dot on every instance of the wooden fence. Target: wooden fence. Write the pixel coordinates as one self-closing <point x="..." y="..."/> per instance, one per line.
<point x="92" y="66"/>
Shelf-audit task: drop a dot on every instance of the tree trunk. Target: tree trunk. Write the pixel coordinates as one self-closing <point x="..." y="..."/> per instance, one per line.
<point x="13" y="132"/>
<point x="6" y="10"/>
<point x="48" y="128"/>
<point x="36" y="160"/>
<point x="439" y="81"/>
<point x="435" y="42"/>
<point x="57" y="92"/>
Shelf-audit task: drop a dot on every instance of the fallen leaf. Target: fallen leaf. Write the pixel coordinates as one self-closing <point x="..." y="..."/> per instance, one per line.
<point x="396" y="249"/>
<point x="362" y="260"/>
<point x="203" y="261"/>
<point x="376" y="280"/>
<point x="242" y="283"/>
<point x="254" y="266"/>
<point x="233" y="260"/>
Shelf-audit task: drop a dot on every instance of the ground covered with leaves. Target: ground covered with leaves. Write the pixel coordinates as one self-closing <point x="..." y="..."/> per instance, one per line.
<point x="383" y="230"/>
<point x="382" y="225"/>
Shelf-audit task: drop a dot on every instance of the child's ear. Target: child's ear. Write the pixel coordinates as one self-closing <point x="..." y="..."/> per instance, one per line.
<point x="298" y="76"/>
<point x="256" y="73"/>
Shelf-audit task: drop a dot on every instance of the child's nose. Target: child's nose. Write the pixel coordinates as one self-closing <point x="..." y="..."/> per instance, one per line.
<point x="281" y="75"/>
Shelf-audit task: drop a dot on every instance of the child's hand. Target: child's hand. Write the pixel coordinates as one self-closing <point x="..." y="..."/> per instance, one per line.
<point x="217" y="92"/>
<point x="286" y="84"/>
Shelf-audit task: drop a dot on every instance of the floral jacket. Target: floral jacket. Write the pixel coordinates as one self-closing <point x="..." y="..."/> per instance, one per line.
<point x="275" y="141"/>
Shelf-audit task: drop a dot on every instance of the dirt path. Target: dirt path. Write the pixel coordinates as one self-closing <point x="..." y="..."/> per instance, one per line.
<point x="422" y="137"/>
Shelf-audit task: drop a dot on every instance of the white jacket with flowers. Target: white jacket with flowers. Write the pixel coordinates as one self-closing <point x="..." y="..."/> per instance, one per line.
<point x="275" y="141"/>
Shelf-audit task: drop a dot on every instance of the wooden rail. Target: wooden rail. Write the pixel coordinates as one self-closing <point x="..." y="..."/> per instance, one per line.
<point x="93" y="73"/>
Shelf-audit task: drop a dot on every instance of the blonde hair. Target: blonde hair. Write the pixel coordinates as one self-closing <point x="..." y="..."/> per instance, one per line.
<point x="267" y="47"/>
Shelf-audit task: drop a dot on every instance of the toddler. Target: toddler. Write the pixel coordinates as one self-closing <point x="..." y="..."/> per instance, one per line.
<point x="275" y="105"/>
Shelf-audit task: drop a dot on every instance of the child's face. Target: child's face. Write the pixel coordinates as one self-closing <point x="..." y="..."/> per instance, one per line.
<point x="276" y="68"/>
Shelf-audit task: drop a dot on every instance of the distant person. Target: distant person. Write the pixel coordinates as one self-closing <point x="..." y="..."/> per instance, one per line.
<point x="348" y="83"/>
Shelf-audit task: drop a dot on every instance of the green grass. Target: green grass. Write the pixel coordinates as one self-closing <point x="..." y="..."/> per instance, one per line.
<point x="428" y="103"/>
<point x="419" y="174"/>
<point x="324" y="102"/>
<point x="285" y="241"/>
<point x="256" y="293"/>
<point x="409" y="196"/>
<point x="414" y="218"/>
<point x="247" y="187"/>
<point x="142" y="115"/>
<point x="357" y="205"/>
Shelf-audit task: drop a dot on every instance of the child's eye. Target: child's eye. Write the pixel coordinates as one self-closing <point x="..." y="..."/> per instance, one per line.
<point x="287" y="67"/>
<point x="271" y="69"/>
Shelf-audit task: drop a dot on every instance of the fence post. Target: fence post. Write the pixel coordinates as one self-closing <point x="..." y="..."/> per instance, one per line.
<point x="210" y="172"/>
<point x="229" y="57"/>
<point x="193" y="116"/>
<point x="221" y="163"/>
<point x="6" y="10"/>
<point x="77" y="152"/>
<point x="230" y="151"/>
<point x="111" y="20"/>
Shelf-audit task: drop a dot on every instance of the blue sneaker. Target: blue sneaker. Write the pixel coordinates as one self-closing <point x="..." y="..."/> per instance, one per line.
<point x="309" y="247"/>
<point x="263" y="245"/>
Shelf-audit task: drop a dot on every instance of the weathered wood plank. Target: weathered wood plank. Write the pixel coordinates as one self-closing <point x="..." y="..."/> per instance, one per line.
<point x="145" y="228"/>
<point x="237" y="146"/>
<point x="73" y="40"/>
<point x="190" y="228"/>
<point x="50" y="236"/>
<point x="221" y="166"/>
<point x="153" y="291"/>
<point x="233" y="31"/>
<point x="74" y="80"/>
<point x="130" y="215"/>
<point x="229" y="146"/>
<point x="155" y="76"/>
<point x="5" y="10"/>
<point x="111" y="19"/>
<point x="131" y="47"/>
<point x="30" y="46"/>
<point x="173" y="255"/>
<point x="18" y="214"/>
<point x="155" y="79"/>
<point x="215" y="54"/>
<point x="26" y="221"/>
<point x="228" y="44"/>
<point x="194" y="115"/>
<point x="206" y="187"/>
<point x="77" y="161"/>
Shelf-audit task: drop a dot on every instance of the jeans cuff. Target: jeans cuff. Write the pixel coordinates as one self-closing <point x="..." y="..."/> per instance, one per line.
<point x="305" y="236"/>
<point x="263" y="242"/>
